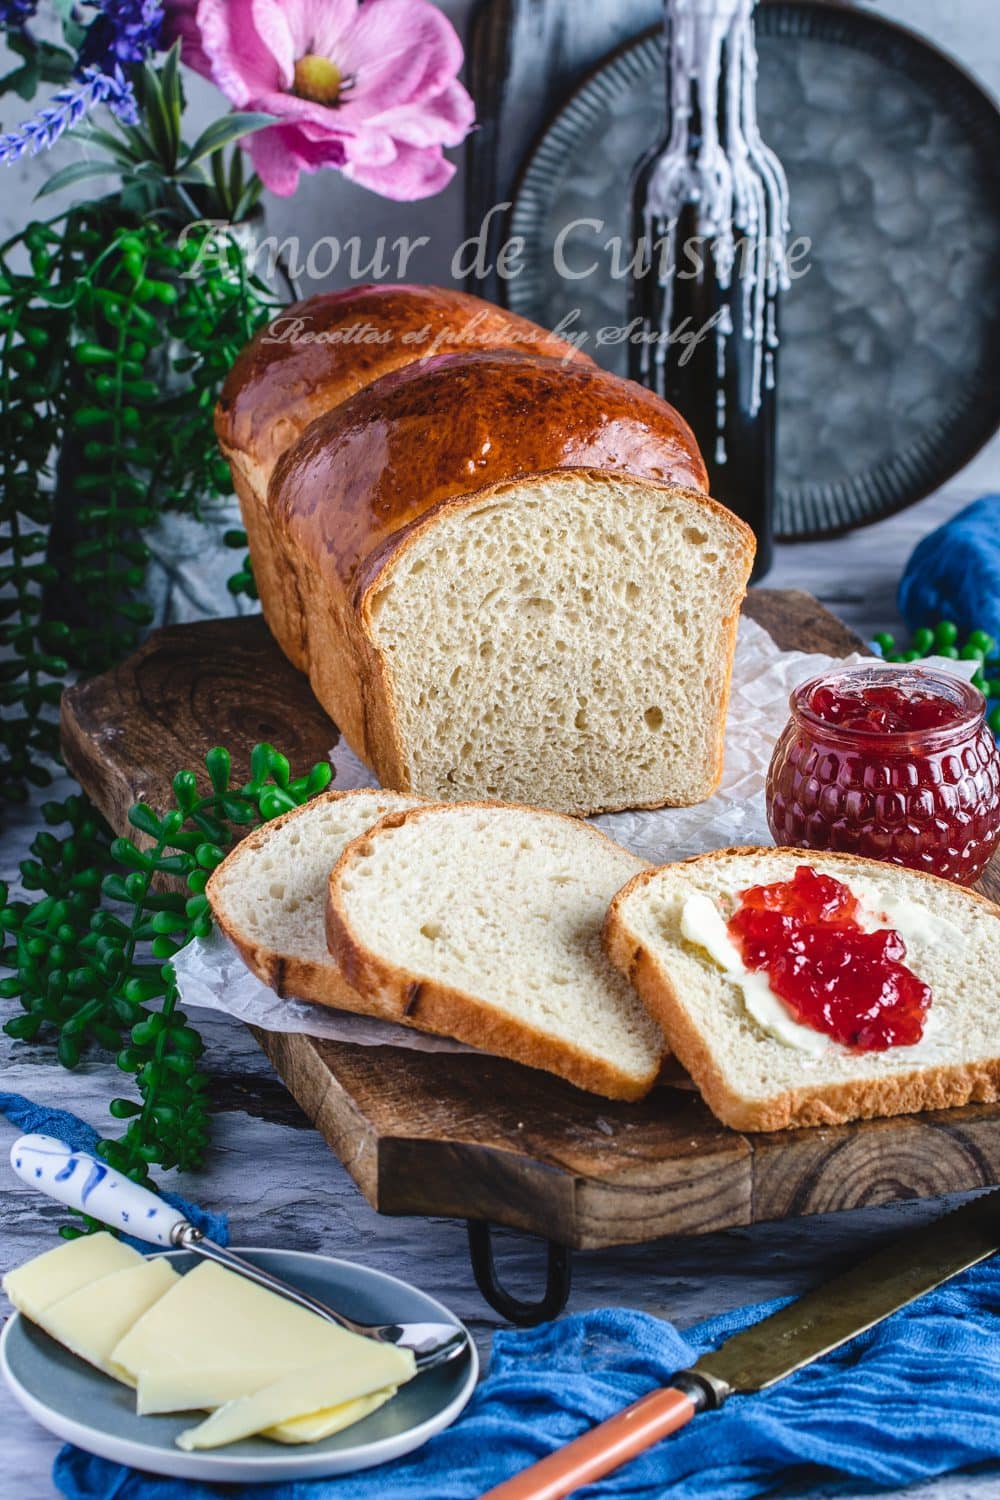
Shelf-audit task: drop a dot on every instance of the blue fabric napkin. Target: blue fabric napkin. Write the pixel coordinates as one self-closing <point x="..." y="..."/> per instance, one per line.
<point x="31" y="1118"/>
<point x="954" y="573"/>
<point x="917" y="1396"/>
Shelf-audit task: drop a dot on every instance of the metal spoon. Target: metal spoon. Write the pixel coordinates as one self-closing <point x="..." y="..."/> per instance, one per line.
<point x="86" y="1183"/>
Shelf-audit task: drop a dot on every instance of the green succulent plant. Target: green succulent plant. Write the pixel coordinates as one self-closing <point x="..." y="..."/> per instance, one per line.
<point x="114" y="343"/>
<point x="89" y="959"/>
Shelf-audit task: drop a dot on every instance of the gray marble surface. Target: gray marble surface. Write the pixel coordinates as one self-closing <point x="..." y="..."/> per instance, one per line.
<point x="281" y="1186"/>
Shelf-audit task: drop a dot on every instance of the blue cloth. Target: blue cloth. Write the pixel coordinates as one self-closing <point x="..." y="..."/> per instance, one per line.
<point x="917" y="1396"/>
<point x="31" y="1118"/>
<point x="954" y="573"/>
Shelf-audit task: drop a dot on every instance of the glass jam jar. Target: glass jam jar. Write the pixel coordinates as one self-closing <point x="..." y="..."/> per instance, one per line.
<point x="893" y="763"/>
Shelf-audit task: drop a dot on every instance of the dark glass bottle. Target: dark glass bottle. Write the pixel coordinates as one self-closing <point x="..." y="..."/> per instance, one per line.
<point x="709" y="218"/>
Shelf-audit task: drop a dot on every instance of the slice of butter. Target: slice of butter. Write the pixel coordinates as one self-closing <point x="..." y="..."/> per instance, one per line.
<point x="368" y="1369"/>
<point x="323" y="1424"/>
<point x="59" y="1272"/>
<point x="214" y="1320"/>
<point x="207" y="1341"/>
<point x="202" y="1387"/>
<point x="96" y="1317"/>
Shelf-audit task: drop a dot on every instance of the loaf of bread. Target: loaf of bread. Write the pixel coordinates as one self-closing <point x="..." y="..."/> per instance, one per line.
<point x="484" y="923"/>
<point x="756" y="1074"/>
<point x="315" y="355"/>
<point x="269" y="895"/>
<point x="500" y="570"/>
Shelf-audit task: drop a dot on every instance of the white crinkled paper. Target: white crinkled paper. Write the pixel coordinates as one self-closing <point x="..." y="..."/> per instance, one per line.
<point x="211" y="974"/>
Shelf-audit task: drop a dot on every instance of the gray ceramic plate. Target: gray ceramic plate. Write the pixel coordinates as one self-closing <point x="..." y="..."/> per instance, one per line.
<point x="82" y="1406"/>
<point x="887" y="369"/>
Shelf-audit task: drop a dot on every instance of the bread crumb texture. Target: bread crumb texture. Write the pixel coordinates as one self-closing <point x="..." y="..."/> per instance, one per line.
<point x="499" y="910"/>
<point x="271" y="890"/>
<point x="565" y="642"/>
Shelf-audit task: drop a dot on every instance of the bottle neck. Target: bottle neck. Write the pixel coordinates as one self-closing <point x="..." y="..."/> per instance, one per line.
<point x="701" y="55"/>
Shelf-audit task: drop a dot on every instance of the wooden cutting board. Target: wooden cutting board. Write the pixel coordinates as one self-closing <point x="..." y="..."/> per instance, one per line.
<point x="473" y="1136"/>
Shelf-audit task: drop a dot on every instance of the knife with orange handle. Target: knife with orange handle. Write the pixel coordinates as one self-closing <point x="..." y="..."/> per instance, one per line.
<point x="777" y="1346"/>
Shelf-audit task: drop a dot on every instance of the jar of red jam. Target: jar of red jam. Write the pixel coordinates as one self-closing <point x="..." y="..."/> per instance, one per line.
<point x="892" y="763"/>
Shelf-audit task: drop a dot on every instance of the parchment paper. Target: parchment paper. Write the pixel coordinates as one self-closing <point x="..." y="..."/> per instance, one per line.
<point x="211" y="974"/>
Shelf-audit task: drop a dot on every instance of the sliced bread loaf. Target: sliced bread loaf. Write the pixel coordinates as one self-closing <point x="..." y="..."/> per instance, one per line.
<point x="484" y="923"/>
<point x="756" y="1071"/>
<point x="513" y="586"/>
<point x="269" y="895"/>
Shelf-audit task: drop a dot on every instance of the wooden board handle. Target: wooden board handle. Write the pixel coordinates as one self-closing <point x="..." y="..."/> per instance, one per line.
<point x="602" y="1449"/>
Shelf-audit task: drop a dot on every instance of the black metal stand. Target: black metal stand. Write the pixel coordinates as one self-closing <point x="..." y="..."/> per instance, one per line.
<point x="558" y="1278"/>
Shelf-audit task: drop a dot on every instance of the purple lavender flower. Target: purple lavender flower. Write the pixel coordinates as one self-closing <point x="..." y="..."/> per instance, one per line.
<point x="66" y="109"/>
<point x="123" y="32"/>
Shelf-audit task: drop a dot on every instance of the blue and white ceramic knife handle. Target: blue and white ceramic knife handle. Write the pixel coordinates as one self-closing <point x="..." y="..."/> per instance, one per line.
<point x="89" y="1184"/>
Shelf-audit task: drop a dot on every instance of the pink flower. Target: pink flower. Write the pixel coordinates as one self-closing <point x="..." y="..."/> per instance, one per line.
<point x="369" y="88"/>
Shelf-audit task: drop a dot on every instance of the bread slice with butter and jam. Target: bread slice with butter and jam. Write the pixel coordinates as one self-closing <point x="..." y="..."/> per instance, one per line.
<point x="482" y="922"/>
<point x="759" y="1060"/>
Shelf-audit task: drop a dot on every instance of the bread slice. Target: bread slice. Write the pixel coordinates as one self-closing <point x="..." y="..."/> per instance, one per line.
<point x="750" y="1078"/>
<point x="566" y="641"/>
<point x="269" y="894"/>
<point x="483" y="923"/>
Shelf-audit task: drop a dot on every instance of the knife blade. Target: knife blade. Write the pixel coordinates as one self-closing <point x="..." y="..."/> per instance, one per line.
<point x="856" y="1299"/>
<point x="815" y="1324"/>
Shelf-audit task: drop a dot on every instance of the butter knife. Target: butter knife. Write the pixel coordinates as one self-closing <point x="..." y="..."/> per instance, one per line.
<point x="777" y="1346"/>
<point x="86" y="1183"/>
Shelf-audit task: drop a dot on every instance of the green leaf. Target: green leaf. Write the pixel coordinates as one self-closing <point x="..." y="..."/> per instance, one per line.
<point x="22" y="81"/>
<point x="170" y="80"/>
<point x="124" y="1109"/>
<point x="222" y="133"/>
<point x="145" y="819"/>
<point x="260" y="763"/>
<point x="218" y="764"/>
<point x="114" y="145"/>
<point x="77" y="171"/>
<point x="274" y="801"/>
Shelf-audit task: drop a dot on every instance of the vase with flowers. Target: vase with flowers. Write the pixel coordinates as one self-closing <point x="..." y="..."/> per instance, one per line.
<point x="116" y="328"/>
<point x="119" y="317"/>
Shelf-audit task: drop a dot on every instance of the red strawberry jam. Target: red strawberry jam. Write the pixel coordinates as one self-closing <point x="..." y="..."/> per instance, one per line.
<point x="894" y="763"/>
<point x="882" y="709"/>
<point x="804" y="933"/>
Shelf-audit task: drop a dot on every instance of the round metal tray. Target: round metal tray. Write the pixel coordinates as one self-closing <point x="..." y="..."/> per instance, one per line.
<point x="889" y="343"/>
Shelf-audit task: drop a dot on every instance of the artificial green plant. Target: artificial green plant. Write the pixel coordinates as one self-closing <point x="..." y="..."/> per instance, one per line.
<point x="90" y="957"/>
<point x="117" y="330"/>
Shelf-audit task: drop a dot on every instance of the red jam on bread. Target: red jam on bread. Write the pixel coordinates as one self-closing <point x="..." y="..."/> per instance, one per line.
<point x="806" y="935"/>
<point x="890" y="763"/>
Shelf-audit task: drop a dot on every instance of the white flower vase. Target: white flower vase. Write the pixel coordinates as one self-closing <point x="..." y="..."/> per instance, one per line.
<point x="190" y="563"/>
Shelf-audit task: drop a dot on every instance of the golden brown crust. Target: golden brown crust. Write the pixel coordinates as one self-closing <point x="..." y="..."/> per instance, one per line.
<point x="940" y="1087"/>
<point x="317" y="353"/>
<point x="310" y="358"/>
<point x="420" y="1000"/>
<point x="458" y="425"/>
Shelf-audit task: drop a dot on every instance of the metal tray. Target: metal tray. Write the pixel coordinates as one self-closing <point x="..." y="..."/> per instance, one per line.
<point x="887" y="381"/>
